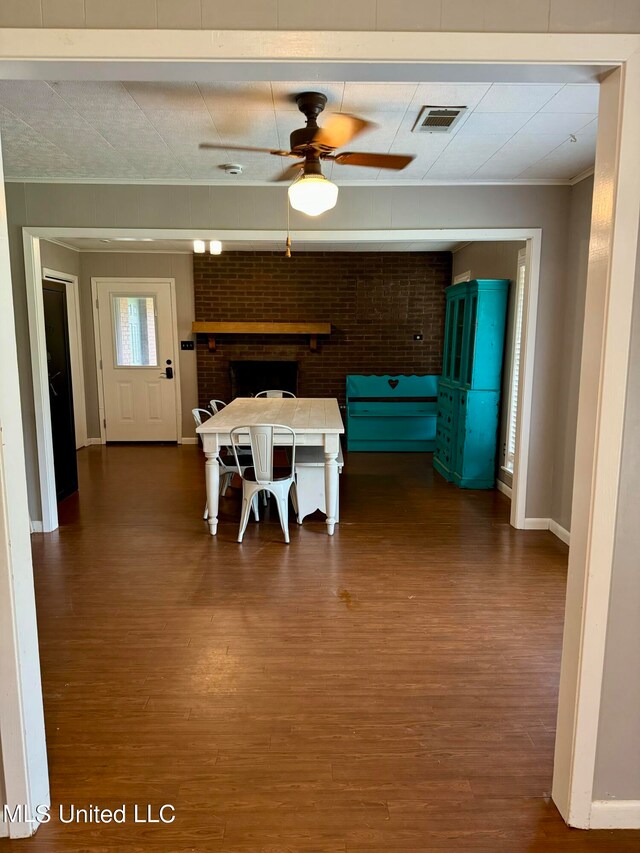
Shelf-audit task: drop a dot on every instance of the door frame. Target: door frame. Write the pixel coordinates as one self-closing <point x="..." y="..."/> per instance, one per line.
<point x="612" y="269"/>
<point x="95" y="282"/>
<point x="74" y="327"/>
<point x="31" y="242"/>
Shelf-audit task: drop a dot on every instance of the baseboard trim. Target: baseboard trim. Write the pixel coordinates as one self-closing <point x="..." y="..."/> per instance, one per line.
<point x="536" y="523"/>
<point x="562" y="533"/>
<point x="504" y="488"/>
<point x="550" y="525"/>
<point x="91" y="441"/>
<point x="615" y="814"/>
<point x="190" y="439"/>
<point x="36" y="526"/>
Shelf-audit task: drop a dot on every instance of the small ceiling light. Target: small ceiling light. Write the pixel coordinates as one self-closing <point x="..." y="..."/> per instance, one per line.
<point x="215" y="247"/>
<point x="313" y="195"/>
<point x="199" y="247"/>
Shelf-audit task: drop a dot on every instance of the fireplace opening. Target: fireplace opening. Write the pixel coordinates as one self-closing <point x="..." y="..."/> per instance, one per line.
<point x="248" y="378"/>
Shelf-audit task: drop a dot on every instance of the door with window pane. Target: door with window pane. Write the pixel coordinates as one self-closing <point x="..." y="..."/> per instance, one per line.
<point x="136" y="322"/>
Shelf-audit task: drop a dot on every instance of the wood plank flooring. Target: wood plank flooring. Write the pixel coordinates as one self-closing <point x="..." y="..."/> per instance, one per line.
<point x="391" y="689"/>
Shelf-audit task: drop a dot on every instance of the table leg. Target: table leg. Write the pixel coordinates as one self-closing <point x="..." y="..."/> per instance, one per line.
<point x="212" y="475"/>
<point x="331" y="485"/>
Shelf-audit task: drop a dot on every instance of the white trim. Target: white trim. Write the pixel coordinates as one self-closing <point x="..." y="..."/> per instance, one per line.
<point x="615" y="814"/>
<point x="221" y="182"/>
<point x="561" y="532"/>
<point x="536" y="524"/>
<point x="36" y="526"/>
<point x="23" y="759"/>
<point x="95" y="282"/>
<point x="362" y="235"/>
<point x="504" y="488"/>
<point x="550" y="525"/>
<point x="601" y="412"/>
<point x="39" y="374"/>
<point x="582" y="176"/>
<point x="520" y="473"/>
<point x="77" y="50"/>
<point x="533" y="236"/>
<point x="91" y="441"/>
<point x="74" y="327"/>
<point x="189" y="439"/>
<point x="463" y="276"/>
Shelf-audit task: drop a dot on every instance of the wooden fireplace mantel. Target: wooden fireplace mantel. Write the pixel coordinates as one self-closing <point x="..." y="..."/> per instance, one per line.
<point x="214" y="329"/>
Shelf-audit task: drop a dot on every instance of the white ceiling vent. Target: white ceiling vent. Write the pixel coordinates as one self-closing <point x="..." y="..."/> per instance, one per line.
<point x="438" y="119"/>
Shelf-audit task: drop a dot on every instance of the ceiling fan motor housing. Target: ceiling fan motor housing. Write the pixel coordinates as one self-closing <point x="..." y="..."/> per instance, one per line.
<point x="311" y="104"/>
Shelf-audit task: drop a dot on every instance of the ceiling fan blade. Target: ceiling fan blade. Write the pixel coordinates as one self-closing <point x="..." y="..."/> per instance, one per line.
<point x="290" y="172"/>
<point x="374" y="161"/>
<point x="340" y="129"/>
<point x="213" y="146"/>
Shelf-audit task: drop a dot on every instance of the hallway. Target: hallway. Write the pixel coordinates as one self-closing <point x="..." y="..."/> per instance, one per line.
<point x="391" y="689"/>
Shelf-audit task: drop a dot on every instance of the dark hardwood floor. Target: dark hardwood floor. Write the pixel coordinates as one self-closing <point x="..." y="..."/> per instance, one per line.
<point x="388" y="690"/>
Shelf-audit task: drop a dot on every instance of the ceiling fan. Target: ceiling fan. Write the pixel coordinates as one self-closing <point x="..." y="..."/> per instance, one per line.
<point x="311" y="192"/>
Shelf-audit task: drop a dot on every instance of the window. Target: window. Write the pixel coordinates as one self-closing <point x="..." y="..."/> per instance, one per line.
<point x="134" y="322"/>
<point x="515" y="363"/>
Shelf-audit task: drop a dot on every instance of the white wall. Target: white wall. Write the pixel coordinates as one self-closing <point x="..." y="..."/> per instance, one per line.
<point x="139" y="265"/>
<point x="446" y="15"/>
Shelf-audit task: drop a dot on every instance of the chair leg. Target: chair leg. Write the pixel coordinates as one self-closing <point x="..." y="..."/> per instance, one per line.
<point x="294" y="501"/>
<point x="225" y="482"/>
<point x="265" y="497"/>
<point x="206" y="512"/>
<point x="244" y="515"/>
<point x="255" y="505"/>
<point x="283" y="512"/>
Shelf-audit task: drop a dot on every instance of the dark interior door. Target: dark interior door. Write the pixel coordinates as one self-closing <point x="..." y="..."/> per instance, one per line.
<point x="60" y="388"/>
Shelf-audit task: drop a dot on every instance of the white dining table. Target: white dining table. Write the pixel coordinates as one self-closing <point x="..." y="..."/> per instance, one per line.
<point x="316" y="421"/>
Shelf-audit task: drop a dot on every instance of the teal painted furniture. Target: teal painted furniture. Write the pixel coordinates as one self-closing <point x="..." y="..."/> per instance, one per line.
<point x="469" y="391"/>
<point x="396" y="413"/>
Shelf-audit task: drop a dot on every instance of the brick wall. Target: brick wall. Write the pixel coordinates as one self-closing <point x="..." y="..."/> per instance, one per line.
<point x="375" y="302"/>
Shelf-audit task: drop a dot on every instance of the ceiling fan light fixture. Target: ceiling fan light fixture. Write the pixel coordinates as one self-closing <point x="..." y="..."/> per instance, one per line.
<point x="199" y="247"/>
<point x="313" y="195"/>
<point x="215" y="247"/>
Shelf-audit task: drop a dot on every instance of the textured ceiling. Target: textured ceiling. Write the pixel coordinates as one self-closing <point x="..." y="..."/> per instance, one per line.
<point x="96" y="244"/>
<point x="112" y="131"/>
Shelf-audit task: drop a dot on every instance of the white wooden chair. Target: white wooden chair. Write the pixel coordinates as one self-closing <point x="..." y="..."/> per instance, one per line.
<point x="227" y="471"/>
<point x="309" y="467"/>
<point x="275" y="394"/>
<point x="262" y="476"/>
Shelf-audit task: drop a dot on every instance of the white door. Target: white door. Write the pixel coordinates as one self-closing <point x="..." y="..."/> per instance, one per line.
<point x="137" y="350"/>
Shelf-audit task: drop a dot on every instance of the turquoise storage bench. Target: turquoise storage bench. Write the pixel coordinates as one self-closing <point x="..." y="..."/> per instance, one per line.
<point x="393" y="413"/>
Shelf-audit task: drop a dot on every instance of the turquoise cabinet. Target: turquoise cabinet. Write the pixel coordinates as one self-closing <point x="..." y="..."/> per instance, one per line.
<point x="469" y="390"/>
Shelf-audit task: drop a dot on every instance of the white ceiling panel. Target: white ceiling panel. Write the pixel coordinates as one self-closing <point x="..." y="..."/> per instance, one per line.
<point x="82" y="95"/>
<point x="151" y="131"/>
<point x="492" y="123"/>
<point x="565" y="123"/>
<point x="574" y="98"/>
<point x="516" y="97"/>
<point x="372" y="99"/>
<point x="166" y="96"/>
<point x="447" y="95"/>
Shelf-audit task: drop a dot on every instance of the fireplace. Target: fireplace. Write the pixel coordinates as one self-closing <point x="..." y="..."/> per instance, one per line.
<point x="250" y="377"/>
